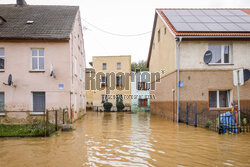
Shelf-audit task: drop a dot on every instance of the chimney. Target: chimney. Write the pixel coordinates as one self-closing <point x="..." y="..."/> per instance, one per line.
<point x="21" y="2"/>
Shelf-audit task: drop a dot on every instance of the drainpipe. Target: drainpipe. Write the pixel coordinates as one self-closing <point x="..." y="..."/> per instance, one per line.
<point x="178" y="77"/>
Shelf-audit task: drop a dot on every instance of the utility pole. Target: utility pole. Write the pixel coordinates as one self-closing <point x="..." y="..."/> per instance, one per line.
<point x="238" y="94"/>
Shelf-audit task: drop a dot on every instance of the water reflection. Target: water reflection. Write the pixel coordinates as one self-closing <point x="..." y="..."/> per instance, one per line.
<point x="123" y="139"/>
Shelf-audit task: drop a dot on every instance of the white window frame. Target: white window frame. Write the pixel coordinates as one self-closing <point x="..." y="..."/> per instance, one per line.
<point x="222" y="54"/>
<point x="75" y="66"/>
<point x="38" y="58"/>
<point x="104" y="98"/>
<point x="3" y="56"/>
<point x="229" y="98"/>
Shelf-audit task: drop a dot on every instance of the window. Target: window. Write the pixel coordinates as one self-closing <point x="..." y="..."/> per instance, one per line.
<point x="104" y="81"/>
<point x="75" y="66"/>
<point x="119" y="80"/>
<point x="165" y="30"/>
<point x="221" y="54"/>
<point x="104" y="98"/>
<point x="159" y="35"/>
<point x="143" y="86"/>
<point x="142" y="102"/>
<point x="38" y="101"/>
<point x="1" y="59"/>
<point x="104" y="66"/>
<point x="1" y="101"/>
<point x="119" y="98"/>
<point x="118" y="65"/>
<point x="75" y="102"/>
<point x="219" y="98"/>
<point x="37" y="59"/>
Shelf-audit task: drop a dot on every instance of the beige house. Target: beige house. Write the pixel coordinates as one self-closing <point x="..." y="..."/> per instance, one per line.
<point x="179" y="42"/>
<point x="42" y="48"/>
<point x="89" y="91"/>
<point x="121" y="87"/>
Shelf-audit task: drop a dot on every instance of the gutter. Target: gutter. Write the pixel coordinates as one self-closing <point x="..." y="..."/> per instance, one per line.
<point x="178" y="76"/>
<point x="213" y="36"/>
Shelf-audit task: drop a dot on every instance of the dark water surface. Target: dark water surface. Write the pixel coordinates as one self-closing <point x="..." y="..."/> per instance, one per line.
<point x="122" y="139"/>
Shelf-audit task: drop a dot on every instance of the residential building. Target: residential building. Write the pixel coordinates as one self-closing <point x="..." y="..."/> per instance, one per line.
<point x="89" y="86"/>
<point x="112" y="76"/>
<point x="179" y="42"/>
<point x="42" y="48"/>
<point x="140" y="86"/>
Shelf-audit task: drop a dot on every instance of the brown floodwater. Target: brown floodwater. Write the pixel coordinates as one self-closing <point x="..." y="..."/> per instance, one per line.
<point x="123" y="139"/>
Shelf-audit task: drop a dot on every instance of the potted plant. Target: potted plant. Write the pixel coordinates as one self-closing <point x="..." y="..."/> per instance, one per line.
<point x="107" y="106"/>
<point x="120" y="106"/>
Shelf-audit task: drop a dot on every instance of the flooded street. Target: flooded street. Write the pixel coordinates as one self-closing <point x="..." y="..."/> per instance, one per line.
<point x="123" y="139"/>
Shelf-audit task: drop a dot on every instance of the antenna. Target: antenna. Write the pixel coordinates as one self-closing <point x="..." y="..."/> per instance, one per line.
<point x="208" y="56"/>
<point x="51" y="71"/>
<point x="10" y="82"/>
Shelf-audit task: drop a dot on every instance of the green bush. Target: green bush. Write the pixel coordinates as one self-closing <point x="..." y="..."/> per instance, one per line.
<point x="208" y="124"/>
<point x="107" y="106"/>
<point x="120" y="106"/>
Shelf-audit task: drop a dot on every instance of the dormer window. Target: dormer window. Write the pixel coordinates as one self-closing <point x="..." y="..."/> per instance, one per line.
<point x="2" y="20"/>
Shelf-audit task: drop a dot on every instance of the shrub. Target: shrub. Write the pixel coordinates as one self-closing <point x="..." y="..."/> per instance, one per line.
<point x="208" y="124"/>
<point x="120" y="106"/>
<point x="107" y="106"/>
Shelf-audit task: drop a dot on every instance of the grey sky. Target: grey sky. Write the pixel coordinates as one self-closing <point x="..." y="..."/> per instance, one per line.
<point x="126" y="17"/>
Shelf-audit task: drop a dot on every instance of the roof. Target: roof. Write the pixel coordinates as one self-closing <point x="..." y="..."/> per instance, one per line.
<point x="204" y="23"/>
<point x="49" y="22"/>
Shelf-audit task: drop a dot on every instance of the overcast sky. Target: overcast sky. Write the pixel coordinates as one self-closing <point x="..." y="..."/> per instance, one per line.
<point x="125" y="17"/>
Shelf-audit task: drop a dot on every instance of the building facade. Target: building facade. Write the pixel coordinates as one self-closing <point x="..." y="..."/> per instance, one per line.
<point x="179" y="42"/>
<point x="140" y="85"/>
<point x="112" y="79"/>
<point x="43" y="50"/>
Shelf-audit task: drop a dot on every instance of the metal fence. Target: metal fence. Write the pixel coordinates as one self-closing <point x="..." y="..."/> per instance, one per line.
<point x="113" y="109"/>
<point x="219" y="120"/>
<point x="34" y="123"/>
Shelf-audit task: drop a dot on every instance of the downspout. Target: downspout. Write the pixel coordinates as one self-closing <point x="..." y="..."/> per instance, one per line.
<point x="178" y="78"/>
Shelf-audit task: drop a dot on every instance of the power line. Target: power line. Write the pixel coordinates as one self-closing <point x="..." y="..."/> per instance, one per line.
<point x="116" y="34"/>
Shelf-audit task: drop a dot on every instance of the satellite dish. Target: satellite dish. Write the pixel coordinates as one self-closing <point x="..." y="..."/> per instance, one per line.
<point x="10" y="80"/>
<point x="51" y="70"/>
<point x="208" y="56"/>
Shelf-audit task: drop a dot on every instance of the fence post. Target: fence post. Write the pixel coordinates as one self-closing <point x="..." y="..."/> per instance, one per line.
<point x="187" y="114"/>
<point x="63" y="115"/>
<point x="219" y="124"/>
<point x="47" y="123"/>
<point x="195" y="114"/>
<point x="56" y="119"/>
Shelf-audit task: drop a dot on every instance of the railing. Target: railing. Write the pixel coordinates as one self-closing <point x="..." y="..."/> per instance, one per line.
<point x="223" y="120"/>
<point x="113" y="109"/>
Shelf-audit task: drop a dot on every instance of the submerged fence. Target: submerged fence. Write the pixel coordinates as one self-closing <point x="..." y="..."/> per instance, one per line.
<point x="220" y="120"/>
<point x="25" y="123"/>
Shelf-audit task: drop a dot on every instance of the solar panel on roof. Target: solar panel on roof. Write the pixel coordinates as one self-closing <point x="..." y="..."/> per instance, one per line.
<point x="198" y="27"/>
<point x="184" y="12"/>
<point x="231" y="27"/>
<point x="244" y="26"/>
<point x="190" y="19"/>
<point x="197" y="12"/>
<point x="237" y="12"/>
<point x="208" y="20"/>
<point x="182" y="27"/>
<point x="224" y="12"/>
<point x="235" y="19"/>
<point x="245" y="18"/>
<point x="205" y="19"/>
<point x="170" y="12"/>
<point x="175" y="19"/>
<point x="211" y="12"/>
<point x="215" y="27"/>
<point x="221" y="19"/>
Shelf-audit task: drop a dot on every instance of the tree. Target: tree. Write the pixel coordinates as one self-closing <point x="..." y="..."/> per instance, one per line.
<point x="142" y="65"/>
